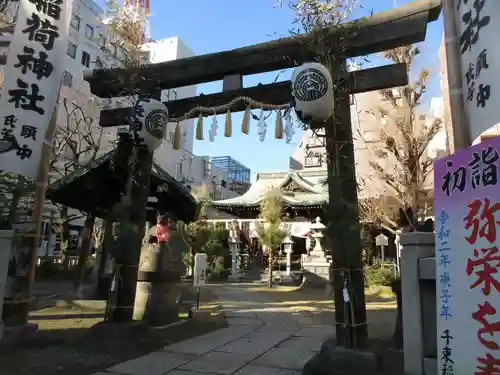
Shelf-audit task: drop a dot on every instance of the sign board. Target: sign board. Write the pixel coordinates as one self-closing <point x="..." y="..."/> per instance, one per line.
<point x="200" y="269"/>
<point x="32" y="79"/>
<point x="381" y="240"/>
<point x="467" y="198"/>
<point x="479" y="61"/>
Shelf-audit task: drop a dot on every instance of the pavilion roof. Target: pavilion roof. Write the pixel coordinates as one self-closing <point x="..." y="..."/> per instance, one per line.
<point x="97" y="186"/>
<point x="298" y="188"/>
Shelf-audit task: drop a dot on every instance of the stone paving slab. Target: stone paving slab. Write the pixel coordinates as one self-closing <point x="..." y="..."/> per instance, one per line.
<point x="210" y="341"/>
<point x="244" y="321"/>
<point x="305" y="343"/>
<point x="188" y="372"/>
<point x="237" y="314"/>
<point x="156" y="363"/>
<point x="255" y="343"/>
<point x="263" y="370"/>
<point x="285" y="358"/>
<point x="218" y="363"/>
<point x="316" y="331"/>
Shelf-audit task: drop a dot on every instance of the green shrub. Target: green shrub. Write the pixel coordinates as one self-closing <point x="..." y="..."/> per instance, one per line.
<point x="376" y="275"/>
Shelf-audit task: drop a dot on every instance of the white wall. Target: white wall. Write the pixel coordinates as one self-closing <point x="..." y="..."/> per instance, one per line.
<point x="167" y="50"/>
<point x="84" y="34"/>
<point x="182" y="164"/>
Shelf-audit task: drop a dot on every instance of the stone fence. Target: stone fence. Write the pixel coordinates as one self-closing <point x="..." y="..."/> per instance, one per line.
<point x="418" y="287"/>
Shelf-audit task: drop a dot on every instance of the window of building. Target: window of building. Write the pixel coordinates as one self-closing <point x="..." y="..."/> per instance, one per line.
<point x="67" y="79"/>
<point x="71" y="50"/>
<point x="312" y="161"/>
<point x="85" y="59"/>
<point x="75" y="22"/>
<point x="89" y="31"/>
<point x="223" y="183"/>
<point x="99" y="64"/>
<point x="179" y="172"/>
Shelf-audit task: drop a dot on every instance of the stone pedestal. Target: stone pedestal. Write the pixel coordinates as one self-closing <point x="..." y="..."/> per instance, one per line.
<point x="5" y="247"/>
<point x="288" y="246"/>
<point x="418" y="290"/>
<point x="316" y="266"/>
<point x="288" y="262"/>
<point x="234" y="245"/>
<point x="160" y="271"/>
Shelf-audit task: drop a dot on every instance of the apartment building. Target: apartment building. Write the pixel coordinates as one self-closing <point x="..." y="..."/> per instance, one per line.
<point x="367" y="121"/>
<point x="85" y="52"/>
<point x="79" y="108"/>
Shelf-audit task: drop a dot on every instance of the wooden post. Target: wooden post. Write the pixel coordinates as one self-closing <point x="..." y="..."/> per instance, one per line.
<point x="459" y="119"/>
<point x="343" y="226"/>
<point x="84" y="252"/>
<point x="42" y="181"/>
<point x="128" y="246"/>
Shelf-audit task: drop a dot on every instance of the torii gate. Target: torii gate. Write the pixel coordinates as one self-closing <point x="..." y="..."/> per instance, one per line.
<point x="383" y="31"/>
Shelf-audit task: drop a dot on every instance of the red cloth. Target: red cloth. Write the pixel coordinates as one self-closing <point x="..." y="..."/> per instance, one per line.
<point x="162" y="233"/>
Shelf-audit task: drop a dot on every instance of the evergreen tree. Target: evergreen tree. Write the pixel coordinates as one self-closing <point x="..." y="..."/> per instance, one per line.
<point x="270" y="232"/>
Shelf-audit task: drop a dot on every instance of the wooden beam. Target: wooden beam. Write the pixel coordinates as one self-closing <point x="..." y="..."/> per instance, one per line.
<point x="276" y="93"/>
<point x="390" y="29"/>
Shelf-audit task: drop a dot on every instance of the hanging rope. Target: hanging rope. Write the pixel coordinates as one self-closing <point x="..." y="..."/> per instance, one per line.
<point x="227" y="107"/>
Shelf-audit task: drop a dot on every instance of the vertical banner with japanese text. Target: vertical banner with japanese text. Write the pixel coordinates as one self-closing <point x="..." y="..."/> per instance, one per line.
<point x="480" y="61"/>
<point x="33" y="73"/>
<point x="467" y="198"/>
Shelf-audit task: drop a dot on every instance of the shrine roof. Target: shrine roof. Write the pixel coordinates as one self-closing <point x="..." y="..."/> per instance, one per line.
<point x="97" y="186"/>
<point x="298" y="188"/>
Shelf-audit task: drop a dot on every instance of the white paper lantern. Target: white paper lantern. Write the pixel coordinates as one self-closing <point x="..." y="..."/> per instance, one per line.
<point x="312" y="92"/>
<point x="150" y="122"/>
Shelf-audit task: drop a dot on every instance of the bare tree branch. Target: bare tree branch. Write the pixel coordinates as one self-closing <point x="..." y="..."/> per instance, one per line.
<point x="405" y="137"/>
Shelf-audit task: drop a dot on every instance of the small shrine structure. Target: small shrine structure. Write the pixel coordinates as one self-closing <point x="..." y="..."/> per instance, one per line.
<point x="97" y="187"/>
<point x="304" y="194"/>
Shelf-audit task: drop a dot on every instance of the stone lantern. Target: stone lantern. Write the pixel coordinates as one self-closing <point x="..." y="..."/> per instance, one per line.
<point x="317" y="267"/>
<point x="317" y="234"/>
<point x="234" y="246"/>
<point x="287" y="245"/>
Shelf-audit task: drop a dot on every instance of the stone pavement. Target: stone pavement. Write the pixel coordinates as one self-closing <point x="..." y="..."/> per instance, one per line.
<point x="262" y="338"/>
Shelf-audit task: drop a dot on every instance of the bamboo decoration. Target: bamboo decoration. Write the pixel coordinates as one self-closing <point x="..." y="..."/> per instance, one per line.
<point x="177" y="137"/>
<point x="245" y="125"/>
<point x="228" y="129"/>
<point x="278" y="131"/>
<point x="199" y="128"/>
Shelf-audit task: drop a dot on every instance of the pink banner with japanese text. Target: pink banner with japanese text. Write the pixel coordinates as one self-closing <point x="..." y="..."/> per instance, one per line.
<point x="467" y="198"/>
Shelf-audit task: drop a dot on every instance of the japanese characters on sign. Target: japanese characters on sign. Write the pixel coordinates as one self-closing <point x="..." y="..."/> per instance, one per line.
<point x="32" y="80"/>
<point x="467" y="198"/>
<point x="480" y="60"/>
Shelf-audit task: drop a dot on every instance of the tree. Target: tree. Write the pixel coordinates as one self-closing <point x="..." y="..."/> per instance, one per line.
<point x="78" y="140"/>
<point x="123" y="40"/>
<point x="270" y="231"/>
<point x="197" y="234"/>
<point x="400" y="157"/>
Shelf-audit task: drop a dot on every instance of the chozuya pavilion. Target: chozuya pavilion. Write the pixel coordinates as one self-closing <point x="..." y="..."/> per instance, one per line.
<point x="304" y="194"/>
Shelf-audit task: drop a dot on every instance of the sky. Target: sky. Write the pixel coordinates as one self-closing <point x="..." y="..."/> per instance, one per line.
<point x="208" y="26"/>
